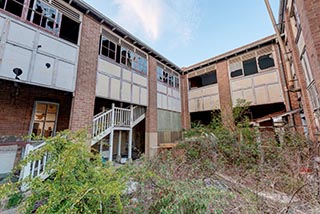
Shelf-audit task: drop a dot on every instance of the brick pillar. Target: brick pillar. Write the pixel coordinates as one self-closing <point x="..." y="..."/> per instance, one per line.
<point x="151" y="139"/>
<point x="82" y="109"/>
<point x="185" y="114"/>
<point x="309" y="13"/>
<point x="290" y="99"/>
<point x="301" y="78"/>
<point x="225" y="94"/>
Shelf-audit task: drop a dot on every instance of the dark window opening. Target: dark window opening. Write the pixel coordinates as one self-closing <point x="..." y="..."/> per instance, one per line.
<point x="250" y="67"/>
<point x="12" y="6"/>
<point x="118" y="54"/>
<point x="69" y="30"/>
<point x="265" y="61"/>
<point x="108" y="48"/>
<point x="236" y="73"/>
<point x="203" y="80"/>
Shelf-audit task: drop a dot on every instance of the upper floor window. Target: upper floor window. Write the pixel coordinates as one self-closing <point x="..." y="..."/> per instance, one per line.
<point x="168" y="77"/>
<point x="123" y="55"/>
<point x="12" y="6"/>
<point x="251" y="66"/>
<point x="203" y="80"/>
<point x="306" y="67"/>
<point x="45" y="16"/>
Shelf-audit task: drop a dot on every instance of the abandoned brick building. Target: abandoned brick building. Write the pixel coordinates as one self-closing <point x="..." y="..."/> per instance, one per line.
<point x="74" y="68"/>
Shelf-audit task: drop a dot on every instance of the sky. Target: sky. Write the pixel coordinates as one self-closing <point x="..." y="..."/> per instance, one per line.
<point x="189" y="31"/>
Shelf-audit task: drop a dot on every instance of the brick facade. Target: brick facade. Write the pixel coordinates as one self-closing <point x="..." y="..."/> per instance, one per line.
<point x="309" y="12"/>
<point x="185" y="114"/>
<point x="290" y="98"/>
<point x="152" y="114"/>
<point x="17" y="103"/>
<point x="225" y="94"/>
<point x="301" y="78"/>
<point x="84" y="96"/>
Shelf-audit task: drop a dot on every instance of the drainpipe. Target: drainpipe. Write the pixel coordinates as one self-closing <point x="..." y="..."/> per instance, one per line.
<point x="282" y="46"/>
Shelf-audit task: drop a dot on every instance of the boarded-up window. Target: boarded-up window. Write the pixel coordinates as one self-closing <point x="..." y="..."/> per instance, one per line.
<point x="250" y="67"/>
<point x="265" y="62"/>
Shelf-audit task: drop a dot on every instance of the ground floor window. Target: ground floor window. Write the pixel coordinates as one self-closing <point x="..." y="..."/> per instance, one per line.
<point x="44" y="119"/>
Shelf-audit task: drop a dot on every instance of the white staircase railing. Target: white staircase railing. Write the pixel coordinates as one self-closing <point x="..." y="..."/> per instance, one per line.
<point x="121" y="118"/>
<point x="35" y="168"/>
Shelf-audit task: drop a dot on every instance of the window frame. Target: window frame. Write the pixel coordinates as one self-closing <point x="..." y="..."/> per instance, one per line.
<point x="36" y="103"/>
<point x="55" y="31"/>
<point x="6" y="11"/>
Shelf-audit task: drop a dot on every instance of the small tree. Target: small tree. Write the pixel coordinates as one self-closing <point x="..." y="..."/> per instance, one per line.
<point x="78" y="183"/>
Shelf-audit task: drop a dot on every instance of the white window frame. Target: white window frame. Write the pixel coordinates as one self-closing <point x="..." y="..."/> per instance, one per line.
<point x="34" y="112"/>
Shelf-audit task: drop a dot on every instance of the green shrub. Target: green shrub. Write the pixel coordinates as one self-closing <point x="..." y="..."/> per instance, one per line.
<point x="14" y="200"/>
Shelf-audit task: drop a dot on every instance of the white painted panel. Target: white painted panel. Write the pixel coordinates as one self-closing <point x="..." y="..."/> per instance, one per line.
<point x="135" y="94"/>
<point x="164" y="101"/>
<point x="126" y="92"/>
<point x="191" y="106"/>
<point x="195" y="93"/>
<point x="169" y="91"/>
<point x="15" y="57"/>
<point x="102" y="87"/>
<point x="144" y="97"/>
<point x="126" y="75"/>
<point x="7" y="157"/>
<point x="265" y="78"/>
<point x="210" y="90"/>
<point x="42" y="74"/>
<point x="140" y="80"/>
<point x="176" y="94"/>
<point x="199" y="104"/>
<point x="65" y="75"/>
<point x="216" y="102"/>
<point x="261" y="95"/>
<point x="242" y="83"/>
<point x="109" y="68"/>
<point x="275" y="93"/>
<point x="115" y="89"/>
<point x="58" y="48"/>
<point x="159" y="103"/>
<point x="21" y="34"/>
<point x="249" y="96"/>
<point x="236" y="95"/>
<point x="301" y="44"/>
<point x="208" y="103"/>
<point x="162" y="88"/>
<point x="170" y="103"/>
<point x="2" y="23"/>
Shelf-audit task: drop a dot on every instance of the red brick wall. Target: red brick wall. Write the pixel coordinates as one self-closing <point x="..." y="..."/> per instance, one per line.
<point x="84" y="97"/>
<point x="151" y="139"/>
<point x="301" y="78"/>
<point x="152" y="114"/>
<point x="16" y="108"/>
<point x="225" y="94"/>
<point x="290" y="98"/>
<point x="309" y="13"/>
<point x="185" y="114"/>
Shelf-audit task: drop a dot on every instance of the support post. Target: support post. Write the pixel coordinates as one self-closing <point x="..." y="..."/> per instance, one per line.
<point x="111" y="134"/>
<point x="130" y="134"/>
<point x="119" y="148"/>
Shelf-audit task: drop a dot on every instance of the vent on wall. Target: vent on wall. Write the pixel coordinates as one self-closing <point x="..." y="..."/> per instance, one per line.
<point x="65" y="10"/>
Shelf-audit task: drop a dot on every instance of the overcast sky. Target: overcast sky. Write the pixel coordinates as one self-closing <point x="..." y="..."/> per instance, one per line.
<point x="189" y="31"/>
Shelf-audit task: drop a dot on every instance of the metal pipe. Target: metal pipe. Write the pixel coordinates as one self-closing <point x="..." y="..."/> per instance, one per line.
<point x="282" y="46"/>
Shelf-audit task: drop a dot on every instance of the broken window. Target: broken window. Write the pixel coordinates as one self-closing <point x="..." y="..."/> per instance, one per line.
<point x="165" y="76"/>
<point x="45" y="118"/>
<point x="159" y="73"/>
<point x="176" y="81"/>
<point x="69" y="29"/>
<point x="140" y="63"/>
<point x="171" y="80"/>
<point x="250" y="66"/>
<point x="265" y="61"/>
<point x="236" y="73"/>
<point x="123" y="56"/>
<point x="108" y="48"/>
<point x="45" y="16"/>
<point x="203" y="80"/>
<point x="12" y="6"/>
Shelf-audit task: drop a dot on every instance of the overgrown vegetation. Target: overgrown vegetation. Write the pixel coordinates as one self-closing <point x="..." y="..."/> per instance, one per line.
<point x="214" y="170"/>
